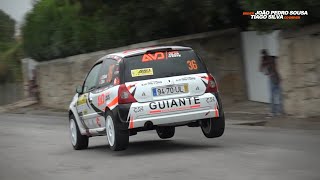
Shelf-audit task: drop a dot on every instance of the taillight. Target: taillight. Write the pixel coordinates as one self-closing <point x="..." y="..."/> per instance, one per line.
<point x="212" y="86"/>
<point x="124" y="96"/>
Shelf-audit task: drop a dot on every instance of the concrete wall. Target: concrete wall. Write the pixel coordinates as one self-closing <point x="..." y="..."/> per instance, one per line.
<point x="299" y="66"/>
<point x="57" y="79"/>
<point x="258" y="86"/>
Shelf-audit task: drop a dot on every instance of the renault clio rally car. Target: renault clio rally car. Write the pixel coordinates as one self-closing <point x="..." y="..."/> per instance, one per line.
<point x="156" y="88"/>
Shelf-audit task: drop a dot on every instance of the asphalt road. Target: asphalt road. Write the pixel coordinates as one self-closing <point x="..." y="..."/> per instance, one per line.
<point x="38" y="147"/>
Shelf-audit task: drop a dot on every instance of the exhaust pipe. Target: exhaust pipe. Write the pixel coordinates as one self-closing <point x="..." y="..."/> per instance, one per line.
<point x="148" y="125"/>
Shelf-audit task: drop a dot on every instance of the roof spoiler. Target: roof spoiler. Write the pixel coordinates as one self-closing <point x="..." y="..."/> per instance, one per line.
<point x="159" y="50"/>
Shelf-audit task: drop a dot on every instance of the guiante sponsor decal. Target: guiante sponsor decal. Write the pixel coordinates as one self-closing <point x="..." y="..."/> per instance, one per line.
<point x="142" y="72"/>
<point x="193" y="102"/>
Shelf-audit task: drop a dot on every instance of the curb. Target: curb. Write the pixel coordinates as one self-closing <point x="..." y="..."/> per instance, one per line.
<point x="244" y="112"/>
<point x="19" y="104"/>
<point x="247" y="123"/>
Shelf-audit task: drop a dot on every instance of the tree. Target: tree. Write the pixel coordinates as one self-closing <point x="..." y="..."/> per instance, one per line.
<point x="7" y="29"/>
<point x="10" y="51"/>
<point x="55" y="29"/>
<point x="10" y="65"/>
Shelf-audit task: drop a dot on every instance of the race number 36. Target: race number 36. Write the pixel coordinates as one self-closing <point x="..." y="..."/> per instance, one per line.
<point x="192" y="65"/>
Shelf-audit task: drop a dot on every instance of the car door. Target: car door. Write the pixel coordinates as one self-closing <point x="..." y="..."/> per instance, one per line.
<point x="84" y="107"/>
<point x="108" y="77"/>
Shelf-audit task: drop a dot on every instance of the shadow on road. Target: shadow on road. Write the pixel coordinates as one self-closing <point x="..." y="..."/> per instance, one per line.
<point x="154" y="147"/>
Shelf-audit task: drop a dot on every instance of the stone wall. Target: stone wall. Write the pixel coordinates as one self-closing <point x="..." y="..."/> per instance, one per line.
<point x="221" y="50"/>
<point x="299" y="66"/>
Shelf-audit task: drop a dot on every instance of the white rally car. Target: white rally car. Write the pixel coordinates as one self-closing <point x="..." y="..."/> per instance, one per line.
<point x="156" y="88"/>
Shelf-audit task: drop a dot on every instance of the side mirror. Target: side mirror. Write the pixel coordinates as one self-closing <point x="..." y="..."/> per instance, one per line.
<point x="79" y="89"/>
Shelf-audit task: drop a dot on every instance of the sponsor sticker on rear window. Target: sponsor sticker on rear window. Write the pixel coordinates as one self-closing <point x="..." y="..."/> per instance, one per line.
<point x="160" y="56"/>
<point x="173" y="54"/>
<point x="142" y="72"/>
<point x="163" y="64"/>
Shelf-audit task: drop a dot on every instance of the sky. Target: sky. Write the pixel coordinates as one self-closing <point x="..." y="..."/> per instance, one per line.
<point x="16" y="9"/>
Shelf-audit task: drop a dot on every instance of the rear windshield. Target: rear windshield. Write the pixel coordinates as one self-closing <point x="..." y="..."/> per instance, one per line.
<point x="162" y="64"/>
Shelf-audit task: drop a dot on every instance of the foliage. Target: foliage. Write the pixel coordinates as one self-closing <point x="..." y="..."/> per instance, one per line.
<point x="62" y="28"/>
<point x="6" y="28"/>
<point x="55" y="29"/>
<point x="10" y="51"/>
<point x="7" y="31"/>
<point x="10" y="65"/>
<point x="312" y="6"/>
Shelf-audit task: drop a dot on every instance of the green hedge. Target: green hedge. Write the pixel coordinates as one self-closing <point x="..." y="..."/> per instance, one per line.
<point x="10" y="51"/>
<point x="10" y="64"/>
<point x="59" y="28"/>
<point x="55" y="29"/>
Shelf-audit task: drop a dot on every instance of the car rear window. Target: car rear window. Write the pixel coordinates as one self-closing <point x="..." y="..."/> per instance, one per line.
<point x="162" y="64"/>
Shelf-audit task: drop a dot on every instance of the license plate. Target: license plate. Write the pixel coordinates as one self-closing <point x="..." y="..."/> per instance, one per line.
<point x="168" y="90"/>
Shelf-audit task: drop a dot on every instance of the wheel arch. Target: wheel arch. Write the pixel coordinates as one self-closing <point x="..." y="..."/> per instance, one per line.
<point x="107" y="109"/>
<point x="79" y="123"/>
<point x="70" y="113"/>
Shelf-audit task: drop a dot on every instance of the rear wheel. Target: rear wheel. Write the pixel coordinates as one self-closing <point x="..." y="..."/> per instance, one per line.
<point x="165" y="132"/>
<point x="213" y="127"/>
<point x="78" y="140"/>
<point x="118" y="139"/>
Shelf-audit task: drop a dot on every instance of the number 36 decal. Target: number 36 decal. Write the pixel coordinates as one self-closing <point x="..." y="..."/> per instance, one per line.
<point x="192" y="65"/>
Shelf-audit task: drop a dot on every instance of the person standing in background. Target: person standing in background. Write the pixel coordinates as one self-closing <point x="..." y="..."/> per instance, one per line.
<point x="33" y="87"/>
<point x="268" y="66"/>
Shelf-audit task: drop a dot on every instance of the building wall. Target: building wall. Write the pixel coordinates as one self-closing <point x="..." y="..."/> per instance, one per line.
<point x="299" y="67"/>
<point x="221" y="51"/>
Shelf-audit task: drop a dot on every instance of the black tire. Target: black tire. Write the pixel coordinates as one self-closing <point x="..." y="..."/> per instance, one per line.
<point x="213" y="127"/>
<point x="165" y="132"/>
<point x="121" y="137"/>
<point x="82" y="141"/>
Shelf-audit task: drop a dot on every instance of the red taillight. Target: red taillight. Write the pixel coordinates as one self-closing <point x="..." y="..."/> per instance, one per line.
<point x="124" y="96"/>
<point x="212" y="86"/>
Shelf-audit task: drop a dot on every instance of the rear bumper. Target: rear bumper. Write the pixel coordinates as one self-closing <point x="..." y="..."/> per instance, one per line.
<point x="175" y="117"/>
<point x="135" y="115"/>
